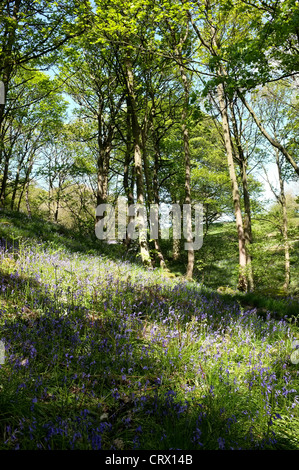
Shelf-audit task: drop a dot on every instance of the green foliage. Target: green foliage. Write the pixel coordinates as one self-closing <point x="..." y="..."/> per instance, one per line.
<point x="210" y="179"/>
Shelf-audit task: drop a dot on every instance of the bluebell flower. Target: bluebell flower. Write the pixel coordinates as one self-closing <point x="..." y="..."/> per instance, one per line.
<point x="221" y="443"/>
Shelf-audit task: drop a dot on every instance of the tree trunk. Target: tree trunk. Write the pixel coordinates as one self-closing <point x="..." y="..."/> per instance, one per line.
<point x="190" y="264"/>
<point x="57" y="200"/>
<point x="16" y="184"/>
<point x="143" y="245"/>
<point x="157" y="201"/>
<point x="56" y="212"/>
<point x="144" y="251"/>
<point x="246" y="199"/>
<point x="102" y="175"/>
<point x="104" y="149"/>
<point x="146" y="170"/>
<point x="282" y="200"/>
<point x="27" y="200"/>
<point x="20" y="198"/>
<point x="242" y="282"/>
<point x="4" y="179"/>
<point x="286" y="245"/>
<point x="176" y="249"/>
<point x="129" y="189"/>
<point x="50" y="192"/>
<point x="185" y="131"/>
<point x="247" y="226"/>
<point x="155" y="183"/>
<point x="26" y="185"/>
<point x="151" y="193"/>
<point x="7" y="65"/>
<point x="212" y="46"/>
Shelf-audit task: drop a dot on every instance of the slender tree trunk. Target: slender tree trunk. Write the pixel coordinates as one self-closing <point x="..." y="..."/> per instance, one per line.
<point x="190" y="264"/>
<point x="283" y="202"/>
<point x="128" y="159"/>
<point x="176" y="249"/>
<point x="155" y="183"/>
<point x="242" y="283"/>
<point x="212" y="46"/>
<point x="136" y="133"/>
<point x="16" y="184"/>
<point x="103" y="172"/>
<point x="26" y="185"/>
<point x="7" y="65"/>
<point x="56" y="212"/>
<point x="246" y="199"/>
<point x="57" y="200"/>
<point x="157" y="201"/>
<point x="27" y="199"/>
<point x="103" y="162"/>
<point x="146" y="170"/>
<point x="144" y="251"/>
<point x="286" y="245"/>
<point x="153" y="198"/>
<point x="129" y="189"/>
<point x="106" y="169"/>
<point x="185" y="131"/>
<point x="102" y="177"/>
<point x="151" y="193"/>
<point x="4" y="179"/>
<point x="17" y="179"/>
<point x="247" y="226"/>
<point x="50" y="192"/>
<point x="20" y="198"/>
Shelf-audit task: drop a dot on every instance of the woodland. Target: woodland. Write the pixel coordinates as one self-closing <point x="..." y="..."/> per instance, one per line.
<point x="138" y="342"/>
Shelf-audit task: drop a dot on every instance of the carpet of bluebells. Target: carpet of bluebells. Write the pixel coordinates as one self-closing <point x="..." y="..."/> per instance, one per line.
<point x="102" y="354"/>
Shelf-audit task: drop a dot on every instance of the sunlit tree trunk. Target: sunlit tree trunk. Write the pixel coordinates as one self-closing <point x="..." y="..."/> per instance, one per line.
<point x="246" y="199"/>
<point x="247" y="226"/>
<point x="242" y="282"/>
<point x="283" y="203"/>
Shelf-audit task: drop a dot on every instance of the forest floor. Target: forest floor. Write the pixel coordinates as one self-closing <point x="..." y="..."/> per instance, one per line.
<point x="100" y="353"/>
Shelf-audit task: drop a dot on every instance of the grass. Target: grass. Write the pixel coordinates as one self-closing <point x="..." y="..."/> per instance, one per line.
<point x="216" y="263"/>
<point x="102" y="354"/>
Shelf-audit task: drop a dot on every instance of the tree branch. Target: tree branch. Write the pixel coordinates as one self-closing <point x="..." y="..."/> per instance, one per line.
<point x="272" y="141"/>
